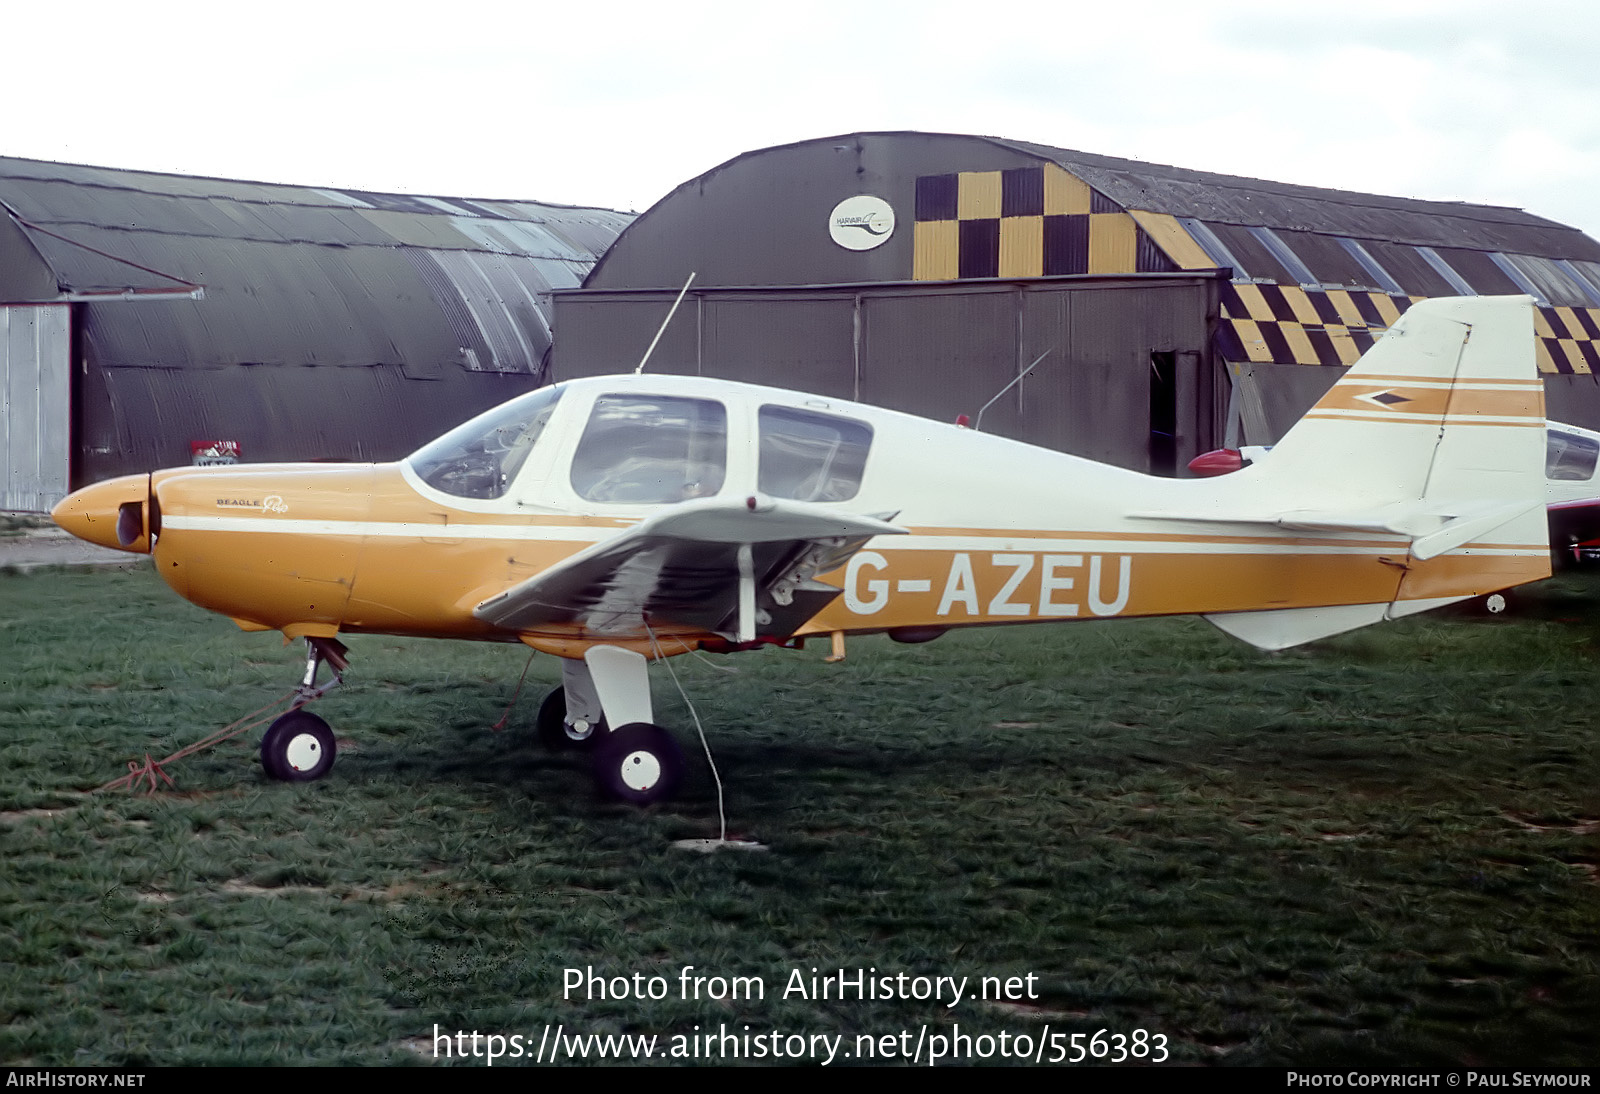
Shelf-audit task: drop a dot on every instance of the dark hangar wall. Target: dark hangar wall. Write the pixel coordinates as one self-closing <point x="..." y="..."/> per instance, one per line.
<point x="994" y="258"/>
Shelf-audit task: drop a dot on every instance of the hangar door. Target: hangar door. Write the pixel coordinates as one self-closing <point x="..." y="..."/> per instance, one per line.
<point x="35" y="358"/>
<point x="1125" y="375"/>
<point x="1123" y="372"/>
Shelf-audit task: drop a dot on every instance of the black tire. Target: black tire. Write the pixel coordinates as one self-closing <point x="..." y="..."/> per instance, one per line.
<point x="554" y="733"/>
<point x="298" y="748"/>
<point x="638" y="763"/>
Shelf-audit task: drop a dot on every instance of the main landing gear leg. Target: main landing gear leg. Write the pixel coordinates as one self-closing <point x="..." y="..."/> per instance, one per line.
<point x="571" y="716"/>
<point x="637" y="761"/>
<point x="299" y="747"/>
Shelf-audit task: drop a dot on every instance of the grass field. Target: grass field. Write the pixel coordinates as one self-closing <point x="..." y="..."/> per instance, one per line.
<point x="1380" y="849"/>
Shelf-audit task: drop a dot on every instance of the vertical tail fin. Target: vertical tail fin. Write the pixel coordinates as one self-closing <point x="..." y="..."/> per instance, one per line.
<point x="1447" y="404"/>
<point x="1437" y="435"/>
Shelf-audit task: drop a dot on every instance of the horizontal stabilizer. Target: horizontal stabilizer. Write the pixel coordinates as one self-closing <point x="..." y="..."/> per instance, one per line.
<point x="1407" y="519"/>
<point x="1433" y="529"/>
<point x="1467" y="527"/>
<point x="1278" y="629"/>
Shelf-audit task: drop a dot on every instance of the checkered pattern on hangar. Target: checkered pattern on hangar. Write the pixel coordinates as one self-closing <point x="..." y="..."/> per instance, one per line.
<point x="1044" y="221"/>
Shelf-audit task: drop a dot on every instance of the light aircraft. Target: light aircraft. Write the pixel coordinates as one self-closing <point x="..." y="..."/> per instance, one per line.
<point x="615" y="520"/>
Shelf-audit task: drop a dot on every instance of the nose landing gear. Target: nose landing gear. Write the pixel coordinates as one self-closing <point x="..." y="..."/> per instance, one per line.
<point x="299" y="746"/>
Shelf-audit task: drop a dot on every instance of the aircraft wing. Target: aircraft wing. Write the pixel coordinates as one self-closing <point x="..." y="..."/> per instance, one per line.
<point x="736" y="568"/>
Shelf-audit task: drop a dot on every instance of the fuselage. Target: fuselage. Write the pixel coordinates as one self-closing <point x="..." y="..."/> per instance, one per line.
<point x="997" y="531"/>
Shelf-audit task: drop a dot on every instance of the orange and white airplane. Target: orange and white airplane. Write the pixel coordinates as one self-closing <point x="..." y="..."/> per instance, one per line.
<point x="615" y="520"/>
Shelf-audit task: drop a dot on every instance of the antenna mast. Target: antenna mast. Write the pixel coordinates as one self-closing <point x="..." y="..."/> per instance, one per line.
<point x="670" y="313"/>
<point x="977" y="425"/>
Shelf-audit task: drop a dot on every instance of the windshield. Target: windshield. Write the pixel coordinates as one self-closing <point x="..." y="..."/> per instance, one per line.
<point x="480" y="458"/>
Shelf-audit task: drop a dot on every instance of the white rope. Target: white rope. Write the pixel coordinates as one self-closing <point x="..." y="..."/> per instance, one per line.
<point x="722" y="816"/>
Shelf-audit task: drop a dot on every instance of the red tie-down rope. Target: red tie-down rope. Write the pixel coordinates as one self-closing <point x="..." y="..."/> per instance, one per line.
<point x="505" y="716"/>
<point x="151" y="770"/>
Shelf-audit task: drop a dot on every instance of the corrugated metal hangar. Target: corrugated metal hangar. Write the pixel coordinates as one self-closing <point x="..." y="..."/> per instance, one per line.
<point x="1177" y="310"/>
<point x="149" y="320"/>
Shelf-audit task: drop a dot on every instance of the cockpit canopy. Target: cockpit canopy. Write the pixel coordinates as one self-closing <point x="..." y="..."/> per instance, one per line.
<point x="643" y="448"/>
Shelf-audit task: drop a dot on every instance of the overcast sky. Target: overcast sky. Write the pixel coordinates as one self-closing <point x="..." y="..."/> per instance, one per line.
<point x="615" y="103"/>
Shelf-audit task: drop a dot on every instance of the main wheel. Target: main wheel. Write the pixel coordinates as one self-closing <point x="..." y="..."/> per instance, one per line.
<point x="554" y="732"/>
<point x="638" y="763"/>
<point x="298" y="748"/>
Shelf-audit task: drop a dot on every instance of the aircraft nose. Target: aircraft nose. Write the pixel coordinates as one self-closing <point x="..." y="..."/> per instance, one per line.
<point x="114" y="513"/>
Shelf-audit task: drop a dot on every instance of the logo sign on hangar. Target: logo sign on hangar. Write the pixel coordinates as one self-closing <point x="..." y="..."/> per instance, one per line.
<point x="861" y="223"/>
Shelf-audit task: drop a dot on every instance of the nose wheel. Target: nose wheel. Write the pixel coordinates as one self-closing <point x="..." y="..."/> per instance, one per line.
<point x="298" y="748"/>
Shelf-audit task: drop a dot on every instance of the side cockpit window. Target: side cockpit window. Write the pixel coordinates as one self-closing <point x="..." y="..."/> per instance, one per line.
<point x="480" y="458"/>
<point x="808" y="456"/>
<point x="1569" y="457"/>
<point x="648" y="449"/>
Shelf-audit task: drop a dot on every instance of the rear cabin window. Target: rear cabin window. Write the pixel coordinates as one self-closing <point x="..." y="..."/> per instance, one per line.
<point x="811" y="457"/>
<point x="1569" y="457"/>
<point x="646" y="449"/>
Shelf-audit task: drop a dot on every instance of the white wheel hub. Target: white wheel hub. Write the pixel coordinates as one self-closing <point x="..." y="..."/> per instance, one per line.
<point x="641" y="770"/>
<point x="303" y="752"/>
<point x="1495" y="602"/>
